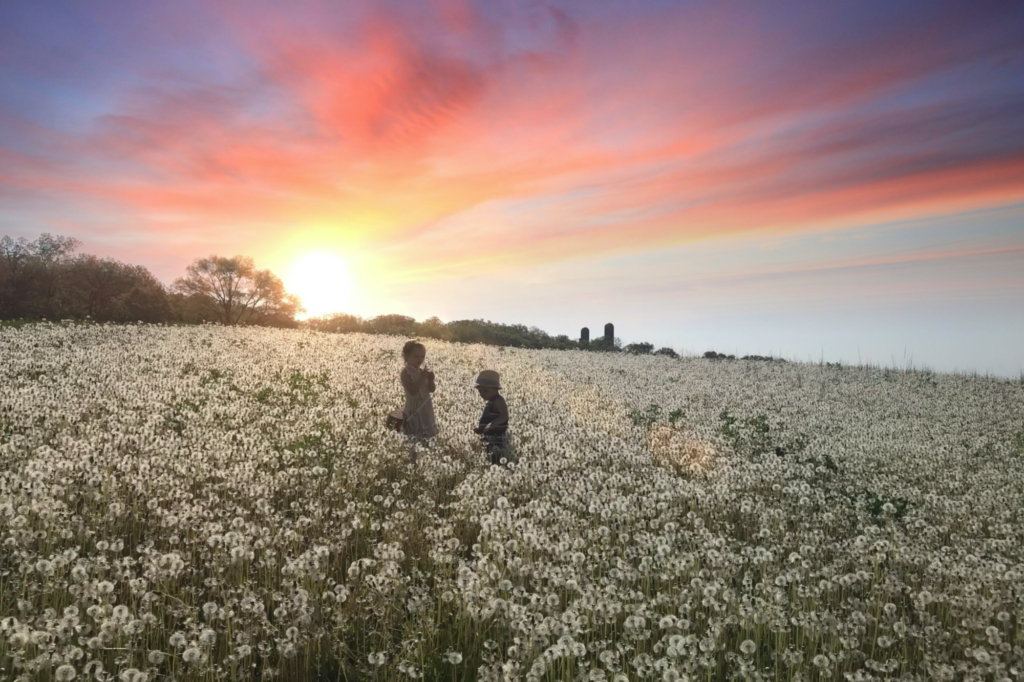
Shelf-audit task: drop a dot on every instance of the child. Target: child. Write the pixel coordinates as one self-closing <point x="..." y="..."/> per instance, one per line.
<point x="418" y="383"/>
<point x="494" y="421"/>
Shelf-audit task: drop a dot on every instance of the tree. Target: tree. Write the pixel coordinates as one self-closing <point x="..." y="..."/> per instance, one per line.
<point x="600" y="344"/>
<point x="433" y="328"/>
<point x="30" y="275"/>
<point x="107" y="290"/>
<point x="339" y="323"/>
<point x="642" y="348"/>
<point x="193" y="309"/>
<point x="238" y="292"/>
<point x="402" y="325"/>
<point x="51" y="253"/>
<point x="13" y="263"/>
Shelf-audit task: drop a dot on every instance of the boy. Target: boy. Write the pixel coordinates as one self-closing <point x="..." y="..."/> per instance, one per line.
<point x="494" y="420"/>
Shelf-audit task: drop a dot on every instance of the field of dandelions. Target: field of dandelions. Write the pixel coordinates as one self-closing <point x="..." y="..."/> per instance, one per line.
<point x="214" y="503"/>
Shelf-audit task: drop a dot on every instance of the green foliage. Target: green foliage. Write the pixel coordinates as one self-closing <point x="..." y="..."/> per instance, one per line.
<point x="297" y="381"/>
<point x="757" y="436"/>
<point x="320" y="447"/>
<point x="825" y="461"/>
<point x="653" y="414"/>
<point x="402" y="325"/>
<point x="642" y="348"/>
<point x="8" y="430"/>
<point x="45" y="279"/>
<point x="646" y="417"/>
<point x="304" y="389"/>
<point x="264" y="395"/>
<point x="728" y="426"/>
<point x="212" y="376"/>
<point x="177" y="417"/>
<point x="457" y="331"/>
<point x="601" y="344"/>
<point x="875" y="505"/>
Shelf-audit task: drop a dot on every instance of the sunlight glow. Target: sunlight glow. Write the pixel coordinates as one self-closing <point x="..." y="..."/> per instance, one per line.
<point x="323" y="282"/>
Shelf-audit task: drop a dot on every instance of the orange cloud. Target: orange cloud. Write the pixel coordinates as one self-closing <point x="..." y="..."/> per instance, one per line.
<point x="451" y="138"/>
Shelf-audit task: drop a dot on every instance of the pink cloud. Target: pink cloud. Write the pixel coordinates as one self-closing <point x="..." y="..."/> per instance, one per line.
<point x="550" y="132"/>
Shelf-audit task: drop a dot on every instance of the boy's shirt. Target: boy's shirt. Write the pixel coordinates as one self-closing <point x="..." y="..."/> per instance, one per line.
<point x="492" y="411"/>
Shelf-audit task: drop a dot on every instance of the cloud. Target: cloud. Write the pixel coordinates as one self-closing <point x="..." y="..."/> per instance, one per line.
<point x="455" y="137"/>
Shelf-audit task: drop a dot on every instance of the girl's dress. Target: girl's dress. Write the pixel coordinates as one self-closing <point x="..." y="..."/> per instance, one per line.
<point x="419" y="409"/>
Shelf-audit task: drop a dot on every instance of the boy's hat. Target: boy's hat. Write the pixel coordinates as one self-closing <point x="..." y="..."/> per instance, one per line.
<point x="488" y="378"/>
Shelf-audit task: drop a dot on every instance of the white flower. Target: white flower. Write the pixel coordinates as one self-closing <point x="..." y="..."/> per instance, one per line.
<point x="453" y="657"/>
<point x="65" y="673"/>
<point x="604" y="521"/>
<point x="192" y="655"/>
<point x="132" y="675"/>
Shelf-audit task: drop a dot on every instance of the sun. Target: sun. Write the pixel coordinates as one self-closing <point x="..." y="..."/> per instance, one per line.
<point x="323" y="283"/>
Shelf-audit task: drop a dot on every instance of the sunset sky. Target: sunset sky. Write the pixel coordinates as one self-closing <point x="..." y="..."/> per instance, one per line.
<point x="813" y="180"/>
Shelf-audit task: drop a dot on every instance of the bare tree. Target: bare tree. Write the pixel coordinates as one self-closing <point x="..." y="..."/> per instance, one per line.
<point x="238" y="292"/>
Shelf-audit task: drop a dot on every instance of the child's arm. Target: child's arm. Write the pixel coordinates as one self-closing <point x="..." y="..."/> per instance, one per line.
<point x="431" y="386"/>
<point x="502" y="407"/>
<point x="413" y="386"/>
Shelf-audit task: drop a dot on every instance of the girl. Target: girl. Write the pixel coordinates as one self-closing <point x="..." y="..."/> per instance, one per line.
<point x="418" y="383"/>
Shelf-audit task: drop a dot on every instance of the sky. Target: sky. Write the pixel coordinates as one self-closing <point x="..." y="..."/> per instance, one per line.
<point x="838" y="181"/>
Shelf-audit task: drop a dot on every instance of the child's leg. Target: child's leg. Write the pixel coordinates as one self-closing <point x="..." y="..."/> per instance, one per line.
<point x="495" y="448"/>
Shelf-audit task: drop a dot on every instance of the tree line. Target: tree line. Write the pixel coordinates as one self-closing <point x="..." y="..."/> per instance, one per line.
<point x="474" y="331"/>
<point x="460" y="331"/>
<point x="47" y="279"/>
